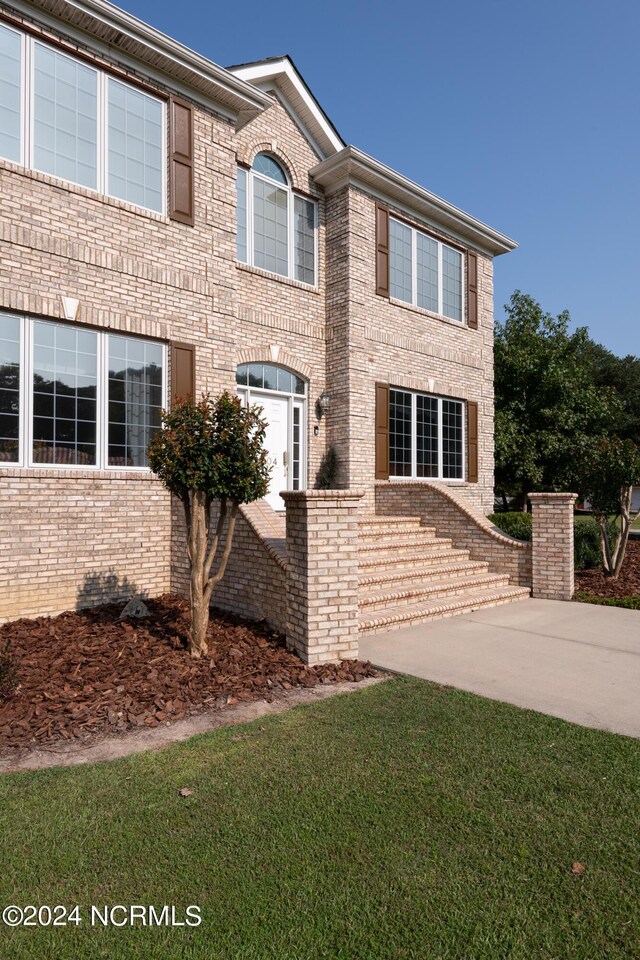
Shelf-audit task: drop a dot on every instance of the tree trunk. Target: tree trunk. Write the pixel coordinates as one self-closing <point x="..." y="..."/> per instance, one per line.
<point x="198" y="536"/>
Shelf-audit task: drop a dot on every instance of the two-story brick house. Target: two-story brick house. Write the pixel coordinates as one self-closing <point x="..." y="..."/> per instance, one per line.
<point x="169" y="226"/>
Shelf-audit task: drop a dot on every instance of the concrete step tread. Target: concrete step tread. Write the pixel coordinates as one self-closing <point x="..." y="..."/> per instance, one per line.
<point x="424" y="610"/>
<point x="435" y="570"/>
<point x="399" y="564"/>
<point x="442" y="587"/>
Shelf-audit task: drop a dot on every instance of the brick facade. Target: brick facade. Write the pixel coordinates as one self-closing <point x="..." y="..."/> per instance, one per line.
<point x="552" y="567"/>
<point x="138" y="272"/>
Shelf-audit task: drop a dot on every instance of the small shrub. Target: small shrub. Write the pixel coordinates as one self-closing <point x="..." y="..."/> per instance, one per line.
<point x="327" y="476"/>
<point x="587" y="544"/>
<point x="8" y="673"/>
<point x="516" y="525"/>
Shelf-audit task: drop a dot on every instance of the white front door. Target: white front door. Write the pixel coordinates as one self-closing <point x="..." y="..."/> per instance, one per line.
<point x="276" y="413"/>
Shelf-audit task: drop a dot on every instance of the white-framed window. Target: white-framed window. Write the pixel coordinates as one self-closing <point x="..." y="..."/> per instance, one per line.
<point x="277" y="229"/>
<point x="76" y="397"/>
<point x="62" y="116"/>
<point x="426" y="436"/>
<point x="425" y="272"/>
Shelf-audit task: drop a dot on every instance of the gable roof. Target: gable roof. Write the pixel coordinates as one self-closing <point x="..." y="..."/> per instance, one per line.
<point x="297" y="98"/>
<point x="112" y="30"/>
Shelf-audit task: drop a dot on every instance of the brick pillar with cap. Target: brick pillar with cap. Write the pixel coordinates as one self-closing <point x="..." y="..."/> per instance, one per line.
<point x="552" y="546"/>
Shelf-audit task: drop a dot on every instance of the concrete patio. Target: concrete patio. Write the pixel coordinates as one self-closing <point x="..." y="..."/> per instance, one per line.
<point x="577" y="661"/>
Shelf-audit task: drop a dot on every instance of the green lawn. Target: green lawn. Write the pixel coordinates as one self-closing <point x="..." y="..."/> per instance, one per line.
<point x="402" y="821"/>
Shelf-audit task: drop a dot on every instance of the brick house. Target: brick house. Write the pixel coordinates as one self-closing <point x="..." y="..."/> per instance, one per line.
<point x="170" y="227"/>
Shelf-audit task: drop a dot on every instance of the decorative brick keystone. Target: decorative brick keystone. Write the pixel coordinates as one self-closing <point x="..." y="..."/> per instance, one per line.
<point x="322" y="574"/>
<point x="552" y="545"/>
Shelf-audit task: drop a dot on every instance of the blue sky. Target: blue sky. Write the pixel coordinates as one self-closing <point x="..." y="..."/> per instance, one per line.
<point x="525" y="113"/>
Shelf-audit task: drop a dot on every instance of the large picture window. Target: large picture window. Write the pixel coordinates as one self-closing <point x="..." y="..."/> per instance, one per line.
<point x="425" y="272"/>
<point x="72" y="396"/>
<point x="426" y="436"/>
<point x="73" y="121"/>
<point x="276" y="229"/>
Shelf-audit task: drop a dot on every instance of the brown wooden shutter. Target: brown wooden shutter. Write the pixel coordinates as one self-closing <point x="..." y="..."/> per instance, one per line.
<point x="382" y="431"/>
<point x="382" y="251"/>
<point x="182" y="372"/>
<point x="472" y="441"/>
<point x="472" y="290"/>
<point x="181" y="161"/>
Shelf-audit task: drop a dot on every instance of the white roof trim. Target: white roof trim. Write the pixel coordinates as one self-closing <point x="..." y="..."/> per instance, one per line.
<point x="353" y="166"/>
<point x="126" y="36"/>
<point x="298" y="98"/>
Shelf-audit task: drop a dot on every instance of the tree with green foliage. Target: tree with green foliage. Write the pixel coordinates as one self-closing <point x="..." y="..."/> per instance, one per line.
<point x="206" y="451"/>
<point x="547" y="404"/>
<point x="622" y="375"/>
<point x="608" y="471"/>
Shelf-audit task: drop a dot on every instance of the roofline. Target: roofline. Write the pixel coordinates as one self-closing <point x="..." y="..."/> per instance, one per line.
<point x="241" y="94"/>
<point x="352" y="164"/>
<point x="272" y="66"/>
<point x="290" y="60"/>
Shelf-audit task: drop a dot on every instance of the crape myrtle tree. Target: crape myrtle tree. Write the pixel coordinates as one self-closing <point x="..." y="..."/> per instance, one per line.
<point x="206" y="451"/>
<point x="547" y="403"/>
<point x="608" y="471"/>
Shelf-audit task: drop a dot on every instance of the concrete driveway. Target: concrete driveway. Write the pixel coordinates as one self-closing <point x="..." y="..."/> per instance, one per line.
<point x="572" y="660"/>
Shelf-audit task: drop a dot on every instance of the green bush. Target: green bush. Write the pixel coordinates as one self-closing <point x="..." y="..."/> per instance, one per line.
<point x="587" y="552"/>
<point x="516" y="525"/>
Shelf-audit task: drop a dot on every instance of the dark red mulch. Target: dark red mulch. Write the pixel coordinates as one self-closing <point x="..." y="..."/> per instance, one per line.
<point x="626" y="584"/>
<point x="86" y="673"/>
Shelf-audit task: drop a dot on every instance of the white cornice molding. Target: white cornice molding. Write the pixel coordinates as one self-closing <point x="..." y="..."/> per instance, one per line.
<point x="134" y="41"/>
<point x="352" y="166"/>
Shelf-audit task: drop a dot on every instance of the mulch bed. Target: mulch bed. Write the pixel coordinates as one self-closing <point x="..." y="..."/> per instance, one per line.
<point x="86" y="674"/>
<point x="595" y="583"/>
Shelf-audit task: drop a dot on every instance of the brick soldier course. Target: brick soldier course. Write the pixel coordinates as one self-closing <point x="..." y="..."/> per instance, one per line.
<point x="72" y="534"/>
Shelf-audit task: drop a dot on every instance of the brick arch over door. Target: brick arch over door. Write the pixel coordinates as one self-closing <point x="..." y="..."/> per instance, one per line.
<point x="277" y="356"/>
<point x="247" y="155"/>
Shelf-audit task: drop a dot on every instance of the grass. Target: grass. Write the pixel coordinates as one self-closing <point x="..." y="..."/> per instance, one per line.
<point x="403" y="821"/>
<point x="632" y="602"/>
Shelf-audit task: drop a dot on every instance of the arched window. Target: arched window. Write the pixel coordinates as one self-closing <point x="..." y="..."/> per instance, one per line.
<point x="276" y="227"/>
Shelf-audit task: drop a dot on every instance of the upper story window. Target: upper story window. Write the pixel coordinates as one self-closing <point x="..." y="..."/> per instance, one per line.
<point x="277" y="229"/>
<point x="73" y="396"/>
<point x="425" y="272"/>
<point x="63" y="117"/>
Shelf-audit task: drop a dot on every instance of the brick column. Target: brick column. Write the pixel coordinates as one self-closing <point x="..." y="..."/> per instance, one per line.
<point x="322" y="574"/>
<point x="552" y="545"/>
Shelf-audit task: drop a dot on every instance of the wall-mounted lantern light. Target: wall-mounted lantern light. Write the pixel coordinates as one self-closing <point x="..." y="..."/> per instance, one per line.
<point x="322" y="405"/>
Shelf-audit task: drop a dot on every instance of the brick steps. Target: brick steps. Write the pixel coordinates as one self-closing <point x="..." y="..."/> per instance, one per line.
<point x="409" y="575"/>
<point x="403" y="614"/>
<point x="431" y="591"/>
<point x="412" y="577"/>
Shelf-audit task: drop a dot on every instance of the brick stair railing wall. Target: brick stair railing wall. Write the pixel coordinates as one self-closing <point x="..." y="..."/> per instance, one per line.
<point x="322" y="574"/>
<point x="453" y="516"/>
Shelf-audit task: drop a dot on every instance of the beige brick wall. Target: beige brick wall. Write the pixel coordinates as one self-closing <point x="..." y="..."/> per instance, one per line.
<point x="552" y="541"/>
<point x="70" y="539"/>
<point x="322" y="574"/>
<point x="398" y="344"/>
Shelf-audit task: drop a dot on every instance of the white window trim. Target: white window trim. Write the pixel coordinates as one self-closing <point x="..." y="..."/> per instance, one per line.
<point x="291" y="195"/>
<point x="27" y="92"/>
<point x="414" y="274"/>
<point x="25" y="444"/>
<point x="414" y="439"/>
